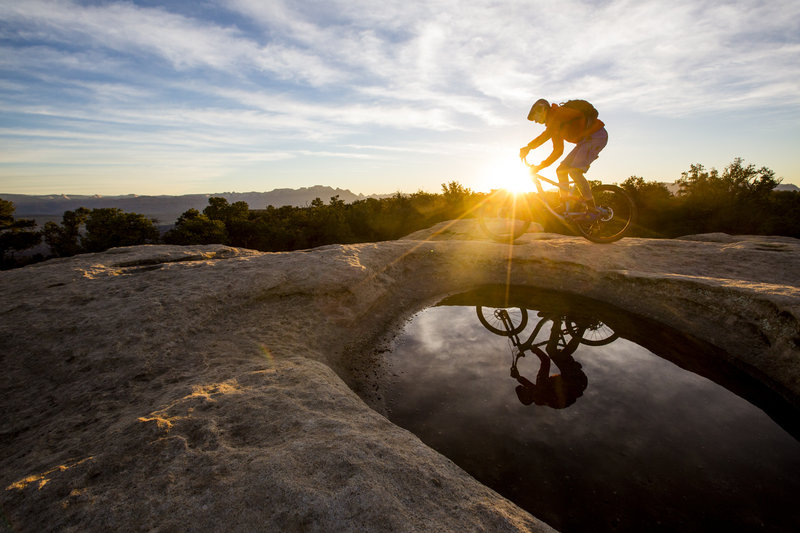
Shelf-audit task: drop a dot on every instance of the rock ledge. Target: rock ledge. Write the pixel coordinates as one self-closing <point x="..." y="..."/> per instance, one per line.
<point x="209" y="388"/>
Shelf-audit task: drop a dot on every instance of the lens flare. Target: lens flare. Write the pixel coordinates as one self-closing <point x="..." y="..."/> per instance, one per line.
<point x="509" y="174"/>
<point x="267" y="354"/>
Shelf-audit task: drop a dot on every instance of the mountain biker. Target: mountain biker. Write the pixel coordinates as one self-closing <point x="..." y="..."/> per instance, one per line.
<point x="557" y="391"/>
<point x="572" y="125"/>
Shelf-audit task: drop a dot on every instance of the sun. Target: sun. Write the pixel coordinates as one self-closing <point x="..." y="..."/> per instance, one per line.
<point x="507" y="173"/>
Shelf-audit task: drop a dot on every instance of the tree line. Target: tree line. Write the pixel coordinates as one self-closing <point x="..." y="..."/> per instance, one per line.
<point x="235" y="224"/>
<point x="739" y="200"/>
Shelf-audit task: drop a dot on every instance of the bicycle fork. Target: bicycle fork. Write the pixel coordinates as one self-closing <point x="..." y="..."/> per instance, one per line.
<point x="503" y="316"/>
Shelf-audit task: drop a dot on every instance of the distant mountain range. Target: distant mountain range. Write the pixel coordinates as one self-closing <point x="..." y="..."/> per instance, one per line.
<point x="167" y="209"/>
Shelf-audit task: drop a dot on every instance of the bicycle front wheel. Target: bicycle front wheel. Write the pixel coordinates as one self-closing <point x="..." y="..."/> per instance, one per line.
<point x="492" y="319"/>
<point x="503" y="219"/>
<point x="615" y="215"/>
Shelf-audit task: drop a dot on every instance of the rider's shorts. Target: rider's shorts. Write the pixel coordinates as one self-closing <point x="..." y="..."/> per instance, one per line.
<point x="586" y="151"/>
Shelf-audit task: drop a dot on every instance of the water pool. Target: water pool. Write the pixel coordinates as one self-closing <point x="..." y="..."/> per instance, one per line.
<point x="632" y="427"/>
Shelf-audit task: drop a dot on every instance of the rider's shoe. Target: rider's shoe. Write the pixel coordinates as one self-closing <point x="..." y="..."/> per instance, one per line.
<point x="576" y="208"/>
<point x="590" y="215"/>
<point x="571" y="207"/>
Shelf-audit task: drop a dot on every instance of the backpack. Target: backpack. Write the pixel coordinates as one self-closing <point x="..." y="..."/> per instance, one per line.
<point x="588" y="110"/>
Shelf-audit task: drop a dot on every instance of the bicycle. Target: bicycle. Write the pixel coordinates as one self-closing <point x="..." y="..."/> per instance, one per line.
<point x="567" y="332"/>
<point x="567" y="329"/>
<point x="504" y="218"/>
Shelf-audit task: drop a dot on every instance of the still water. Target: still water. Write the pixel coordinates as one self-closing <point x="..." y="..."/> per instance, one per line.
<point x="595" y="420"/>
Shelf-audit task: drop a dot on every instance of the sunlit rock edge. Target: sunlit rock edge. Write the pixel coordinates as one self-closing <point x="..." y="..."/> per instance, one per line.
<point x="209" y="388"/>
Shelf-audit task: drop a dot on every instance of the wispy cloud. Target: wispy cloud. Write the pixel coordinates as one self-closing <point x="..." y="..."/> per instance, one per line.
<point x="290" y="77"/>
<point x="670" y="59"/>
<point x="182" y="43"/>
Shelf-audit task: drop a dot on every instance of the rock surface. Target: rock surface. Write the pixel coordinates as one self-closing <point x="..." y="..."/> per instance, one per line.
<point x="210" y="388"/>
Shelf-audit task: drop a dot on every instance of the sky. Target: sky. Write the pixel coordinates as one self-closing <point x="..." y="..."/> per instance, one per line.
<point x="197" y="96"/>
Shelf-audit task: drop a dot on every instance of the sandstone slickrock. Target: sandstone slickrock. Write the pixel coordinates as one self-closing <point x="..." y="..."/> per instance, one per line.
<point x="209" y="388"/>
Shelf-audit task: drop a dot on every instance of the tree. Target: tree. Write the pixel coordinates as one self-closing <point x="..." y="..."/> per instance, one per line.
<point x="736" y="201"/>
<point x="736" y="182"/>
<point x="749" y="183"/>
<point x="784" y="217"/>
<point x="193" y="227"/>
<point x="455" y="192"/>
<point x="110" y="227"/>
<point x="95" y="230"/>
<point x="654" y="203"/>
<point x="219" y="209"/>
<point x="235" y="217"/>
<point x="15" y="234"/>
<point x="63" y="239"/>
<point x="456" y="197"/>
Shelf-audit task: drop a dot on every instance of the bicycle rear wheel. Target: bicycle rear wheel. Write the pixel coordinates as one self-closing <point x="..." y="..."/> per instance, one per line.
<point x="591" y="332"/>
<point x="503" y="218"/>
<point x="615" y="215"/>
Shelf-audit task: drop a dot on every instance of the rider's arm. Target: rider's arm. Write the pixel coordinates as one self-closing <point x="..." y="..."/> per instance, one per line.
<point x="558" y="149"/>
<point x="540" y="140"/>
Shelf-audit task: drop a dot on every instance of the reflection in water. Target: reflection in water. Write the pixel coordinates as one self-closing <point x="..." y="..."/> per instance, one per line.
<point x="566" y="334"/>
<point x="593" y="431"/>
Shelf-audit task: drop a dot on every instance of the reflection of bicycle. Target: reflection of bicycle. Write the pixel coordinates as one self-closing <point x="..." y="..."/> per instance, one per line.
<point x="510" y="322"/>
<point x="504" y="216"/>
<point x="566" y="333"/>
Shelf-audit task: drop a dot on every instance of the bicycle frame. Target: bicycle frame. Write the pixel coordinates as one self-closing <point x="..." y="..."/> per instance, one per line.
<point x="556" y="335"/>
<point x="540" y="196"/>
<point x="538" y="179"/>
<point x="603" y="217"/>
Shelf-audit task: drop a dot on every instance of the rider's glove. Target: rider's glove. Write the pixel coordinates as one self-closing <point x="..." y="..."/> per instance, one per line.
<point x="523" y="152"/>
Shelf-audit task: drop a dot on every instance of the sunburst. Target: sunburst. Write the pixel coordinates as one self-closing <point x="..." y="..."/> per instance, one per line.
<point x="509" y="174"/>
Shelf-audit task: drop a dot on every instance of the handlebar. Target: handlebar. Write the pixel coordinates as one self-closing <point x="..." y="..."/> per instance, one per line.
<point x="530" y="166"/>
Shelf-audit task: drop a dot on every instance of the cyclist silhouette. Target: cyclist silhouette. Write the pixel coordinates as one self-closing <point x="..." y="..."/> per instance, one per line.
<point x="557" y="391"/>
<point x="567" y="332"/>
<point x="571" y="124"/>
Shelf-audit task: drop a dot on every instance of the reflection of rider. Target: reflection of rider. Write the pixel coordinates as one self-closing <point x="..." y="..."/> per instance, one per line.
<point x="557" y="391"/>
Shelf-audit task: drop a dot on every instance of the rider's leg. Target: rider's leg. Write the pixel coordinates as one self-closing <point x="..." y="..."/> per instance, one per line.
<point x="563" y="180"/>
<point x="564" y="172"/>
<point x="578" y="160"/>
<point x="582" y="185"/>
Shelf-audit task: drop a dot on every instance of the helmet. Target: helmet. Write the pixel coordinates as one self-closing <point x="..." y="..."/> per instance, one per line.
<point x="539" y="110"/>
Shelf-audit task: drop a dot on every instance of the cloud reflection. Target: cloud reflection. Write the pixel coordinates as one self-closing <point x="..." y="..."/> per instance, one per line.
<point x="647" y="435"/>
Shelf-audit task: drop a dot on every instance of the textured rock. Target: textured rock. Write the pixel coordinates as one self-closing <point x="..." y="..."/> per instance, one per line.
<point x="211" y="388"/>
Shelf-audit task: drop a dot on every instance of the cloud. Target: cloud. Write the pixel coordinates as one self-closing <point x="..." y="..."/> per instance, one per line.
<point x="474" y="59"/>
<point x="183" y="43"/>
<point x="669" y="59"/>
<point x="684" y="57"/>
<point x="408" y="77"/>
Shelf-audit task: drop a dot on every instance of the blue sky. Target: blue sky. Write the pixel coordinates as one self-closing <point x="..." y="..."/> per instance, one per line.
<point x="179" y="97"/>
